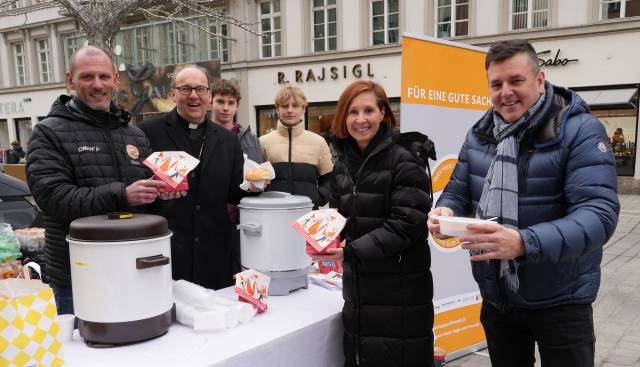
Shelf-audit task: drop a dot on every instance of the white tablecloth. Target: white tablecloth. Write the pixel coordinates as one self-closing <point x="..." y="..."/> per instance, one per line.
<point x="301" y="329"/>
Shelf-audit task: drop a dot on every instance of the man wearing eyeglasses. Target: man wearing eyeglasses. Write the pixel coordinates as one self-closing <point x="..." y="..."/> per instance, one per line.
<point x="201" y="245"/>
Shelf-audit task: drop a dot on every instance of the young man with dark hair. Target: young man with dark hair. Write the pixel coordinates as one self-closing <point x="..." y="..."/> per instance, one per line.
<point x="225" y="104"/>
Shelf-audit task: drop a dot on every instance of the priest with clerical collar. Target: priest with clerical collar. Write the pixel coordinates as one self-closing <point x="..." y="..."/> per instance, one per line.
<point x="201" y="245"/>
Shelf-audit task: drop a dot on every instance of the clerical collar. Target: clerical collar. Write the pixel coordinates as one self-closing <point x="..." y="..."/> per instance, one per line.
<point x="190" y="126"/>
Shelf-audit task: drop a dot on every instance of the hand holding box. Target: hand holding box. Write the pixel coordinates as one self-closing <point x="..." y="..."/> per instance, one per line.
<point x="321" y="228"/>
<point x="172" y="168"/>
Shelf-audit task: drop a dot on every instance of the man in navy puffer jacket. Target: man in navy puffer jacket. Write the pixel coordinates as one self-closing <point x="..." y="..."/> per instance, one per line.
<point x="540" y="162"/>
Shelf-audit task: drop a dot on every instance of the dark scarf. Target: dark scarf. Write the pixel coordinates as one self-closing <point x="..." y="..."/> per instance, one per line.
<point x="355" y="157"/>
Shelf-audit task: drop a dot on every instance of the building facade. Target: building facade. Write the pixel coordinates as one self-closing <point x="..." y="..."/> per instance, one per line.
<point x="323" y="45"/>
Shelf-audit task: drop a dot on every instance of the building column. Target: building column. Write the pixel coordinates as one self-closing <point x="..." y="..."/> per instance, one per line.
<point x="412" y="16"/>
<point x="54" y="50"/>
<point x="291" y="17"/>
<point x="5" y="79"/>
<point x="11" y="124"/>
<point x="349" y="33"/>
<point x="34" y="121"/>
<point x="31" y="62"/>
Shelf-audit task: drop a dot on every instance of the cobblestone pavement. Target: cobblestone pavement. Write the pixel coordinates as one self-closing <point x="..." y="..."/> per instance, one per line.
<point x="617" y="309"/>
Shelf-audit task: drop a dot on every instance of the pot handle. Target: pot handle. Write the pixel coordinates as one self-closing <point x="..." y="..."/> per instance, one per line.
<point x="250" y="227"/>
<point x="151" y="261"/>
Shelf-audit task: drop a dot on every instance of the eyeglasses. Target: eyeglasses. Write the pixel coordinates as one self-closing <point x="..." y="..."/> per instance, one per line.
<point x="186" y="90"/>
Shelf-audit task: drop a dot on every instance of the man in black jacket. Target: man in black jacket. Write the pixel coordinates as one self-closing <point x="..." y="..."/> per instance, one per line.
<point x="16" y="153"/>
<point x="201" y="245"/>
<point x="85" y="159"/>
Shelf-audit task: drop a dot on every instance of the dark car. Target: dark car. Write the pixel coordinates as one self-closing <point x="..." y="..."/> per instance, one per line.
<point x="17" y="206"/>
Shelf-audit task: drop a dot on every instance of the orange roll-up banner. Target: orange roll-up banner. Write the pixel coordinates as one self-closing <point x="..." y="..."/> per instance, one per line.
<point x="444" y="92"/>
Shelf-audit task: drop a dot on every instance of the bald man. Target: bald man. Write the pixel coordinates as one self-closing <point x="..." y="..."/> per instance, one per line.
<point x="85" y="159"/>
<point x="201" y="245"/>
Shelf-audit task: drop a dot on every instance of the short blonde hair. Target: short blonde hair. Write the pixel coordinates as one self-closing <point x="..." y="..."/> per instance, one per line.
<point x="285" y="93"/>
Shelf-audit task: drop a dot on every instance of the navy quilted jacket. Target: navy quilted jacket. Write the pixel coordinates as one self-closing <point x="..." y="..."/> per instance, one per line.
<point x="568" y="203"/>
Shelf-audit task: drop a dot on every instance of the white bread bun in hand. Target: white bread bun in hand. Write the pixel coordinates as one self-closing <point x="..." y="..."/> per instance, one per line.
<point x="258" y="174"/>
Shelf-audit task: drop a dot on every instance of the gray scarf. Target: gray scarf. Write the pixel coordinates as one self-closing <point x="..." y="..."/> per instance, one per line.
<point x="500" y="191"/>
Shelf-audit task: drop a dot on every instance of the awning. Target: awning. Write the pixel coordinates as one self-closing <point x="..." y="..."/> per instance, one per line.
<point x="609" y="97"/>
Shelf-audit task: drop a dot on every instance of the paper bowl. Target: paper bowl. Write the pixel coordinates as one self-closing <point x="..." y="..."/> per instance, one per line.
<point x="457" y="226"/>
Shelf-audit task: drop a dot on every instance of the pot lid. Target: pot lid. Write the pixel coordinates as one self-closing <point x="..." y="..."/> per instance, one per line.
<point x="275" y="200"/>
<point x="118" y="227"/>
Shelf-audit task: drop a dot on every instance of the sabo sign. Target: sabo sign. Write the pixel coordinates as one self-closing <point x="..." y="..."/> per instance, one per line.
<point x="556" y="61"/>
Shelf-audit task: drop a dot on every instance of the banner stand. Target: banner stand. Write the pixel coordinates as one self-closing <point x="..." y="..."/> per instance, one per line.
<point x="444" y="92"/>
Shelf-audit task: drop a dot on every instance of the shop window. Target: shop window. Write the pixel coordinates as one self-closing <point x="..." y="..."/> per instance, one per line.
<point x="317" y="118"/>
<point x="385" y="21"/>
<point x="23" y="130"/>
<point x="452" y="18"/>
<point x="325" y="31"/>
<point x="617" y="109"/>
<point x="267" y="119"/>
<point x="613" y="9"/>
<point x="621" y="126"/>
<point x="270" y="27"/>
<point x="526" y="14"/>
<point x="4" y="134"/>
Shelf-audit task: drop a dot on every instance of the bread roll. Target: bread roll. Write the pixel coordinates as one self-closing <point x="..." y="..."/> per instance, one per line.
<point x="258" y="174"/>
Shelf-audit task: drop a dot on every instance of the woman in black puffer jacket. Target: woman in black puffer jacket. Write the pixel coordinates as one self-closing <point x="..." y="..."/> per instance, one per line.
<point x="383" y="191"/>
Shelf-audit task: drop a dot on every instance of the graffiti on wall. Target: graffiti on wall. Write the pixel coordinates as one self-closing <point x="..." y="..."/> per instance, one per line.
<point x="148" y="88"/>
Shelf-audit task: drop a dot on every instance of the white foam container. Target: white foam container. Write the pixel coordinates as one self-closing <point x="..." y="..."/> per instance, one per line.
<point x="457" y="226"/>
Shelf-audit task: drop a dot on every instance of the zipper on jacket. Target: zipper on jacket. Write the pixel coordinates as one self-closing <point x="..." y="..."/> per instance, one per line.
<point x="522" y="185"/>
<point x="354" y="185"/>
<point x="354" y="192"/>
<point x="290" y="165"/>
<point x="112" y="148"/>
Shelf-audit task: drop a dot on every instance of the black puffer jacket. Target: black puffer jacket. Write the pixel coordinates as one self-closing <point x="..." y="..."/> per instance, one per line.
<point x="79" y="163"/>
<point x="388" y="289"/>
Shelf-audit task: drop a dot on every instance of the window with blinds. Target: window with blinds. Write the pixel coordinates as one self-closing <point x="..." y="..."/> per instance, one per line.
<point x="452" y="18"/>
<point x="526" y="14"/>
<point x="325" y="30"/>
<point x="270" y="28"/>
<point x="385" y="21"/>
